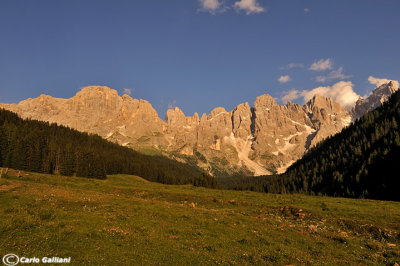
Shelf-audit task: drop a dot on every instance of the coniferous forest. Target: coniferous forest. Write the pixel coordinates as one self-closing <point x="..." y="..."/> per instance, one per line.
<point x="363" y="161"/>
<point x="41" y="147"/>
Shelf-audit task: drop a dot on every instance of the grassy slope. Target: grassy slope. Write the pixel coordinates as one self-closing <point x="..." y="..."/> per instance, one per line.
<point x="125" y="220"/>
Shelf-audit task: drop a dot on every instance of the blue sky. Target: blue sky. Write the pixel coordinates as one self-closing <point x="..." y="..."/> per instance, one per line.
<point x="197" y="54"/>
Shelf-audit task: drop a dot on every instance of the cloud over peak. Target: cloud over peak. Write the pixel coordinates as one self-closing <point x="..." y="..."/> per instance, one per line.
<point x="248" y="6"/>
<point x="341" y="92"/>
<point x="322" y="64"/>
<point x="380" y="81"/>
<point x="291" y="95"/>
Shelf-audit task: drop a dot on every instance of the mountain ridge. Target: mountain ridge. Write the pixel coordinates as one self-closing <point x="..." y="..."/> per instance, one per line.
<point x="261" y="139"/>
<point x="377" y="97"/>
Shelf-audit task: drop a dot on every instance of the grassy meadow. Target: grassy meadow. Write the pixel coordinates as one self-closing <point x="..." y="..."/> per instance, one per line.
<point x="126" y="220"/>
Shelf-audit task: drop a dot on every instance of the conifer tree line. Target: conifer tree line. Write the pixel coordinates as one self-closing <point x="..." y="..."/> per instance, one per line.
<point x="363" y="161"/>
<point x="41" y="147"/>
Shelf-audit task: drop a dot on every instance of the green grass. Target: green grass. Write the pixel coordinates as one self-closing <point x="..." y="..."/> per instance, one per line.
<point x="126" y="220"/>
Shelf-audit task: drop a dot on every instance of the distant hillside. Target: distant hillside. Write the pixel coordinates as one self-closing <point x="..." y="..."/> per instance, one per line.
<point x="361" y="161"/>
<point x="48" y="148"/>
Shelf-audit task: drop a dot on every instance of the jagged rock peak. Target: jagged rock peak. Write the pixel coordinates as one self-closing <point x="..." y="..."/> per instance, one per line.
<point x="177" y="110"/>
<point x="241" y="120"/>
<point x="319" y="100"/>
<point x="386" y="89"/>
<point x="323" y="102"/>
<point x="293" y="106"/>
<point x="174" y="116"/>
<point x="242" y="111"/>
<point x="378" y="96"/>
<point x="195" y="118"/>
<point x="265" y="101"/>
<point x="216" y="111"/>
<point x="394" y="85"/>
<point x="242" y="106"/>
<point x="203" y="117"/>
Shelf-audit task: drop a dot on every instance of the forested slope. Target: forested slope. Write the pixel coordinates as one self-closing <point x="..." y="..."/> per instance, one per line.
<point x="49" y="148"/>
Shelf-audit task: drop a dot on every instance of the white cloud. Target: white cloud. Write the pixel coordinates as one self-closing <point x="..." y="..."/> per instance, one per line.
<point x="306" y="10"/>
<point x="249" y="6"/>
<point x="210" y="5"/>
<point x="284" y="79"/>
<point x="128" y="91"/>
<point x="334" y="74"/>
<point x="378" y="81"/>
<point x="291" y="95"/>
<point x="322" y="64"/>
<point x="292" y="65"/>
<point x="341" y="92"/>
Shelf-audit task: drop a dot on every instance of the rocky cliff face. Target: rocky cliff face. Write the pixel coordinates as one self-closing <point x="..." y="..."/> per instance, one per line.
<point x="375" y="99"/>
<point x="258" y="140"/>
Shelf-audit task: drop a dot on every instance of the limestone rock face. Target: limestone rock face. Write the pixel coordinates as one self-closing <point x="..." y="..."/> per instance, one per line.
<point x="98" y="110"/>
<point x="265" y="101"/>
<point x="175" y="117"/>
<point x="257" y="140"/>
<point x="212" y="129"/>
<point x="327" y="117"/>
<point x="241" y="121"/>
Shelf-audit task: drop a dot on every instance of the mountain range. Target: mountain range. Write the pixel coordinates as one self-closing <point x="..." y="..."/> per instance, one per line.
<point x="261" y="139"/>
<point x="359" y="162"/>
